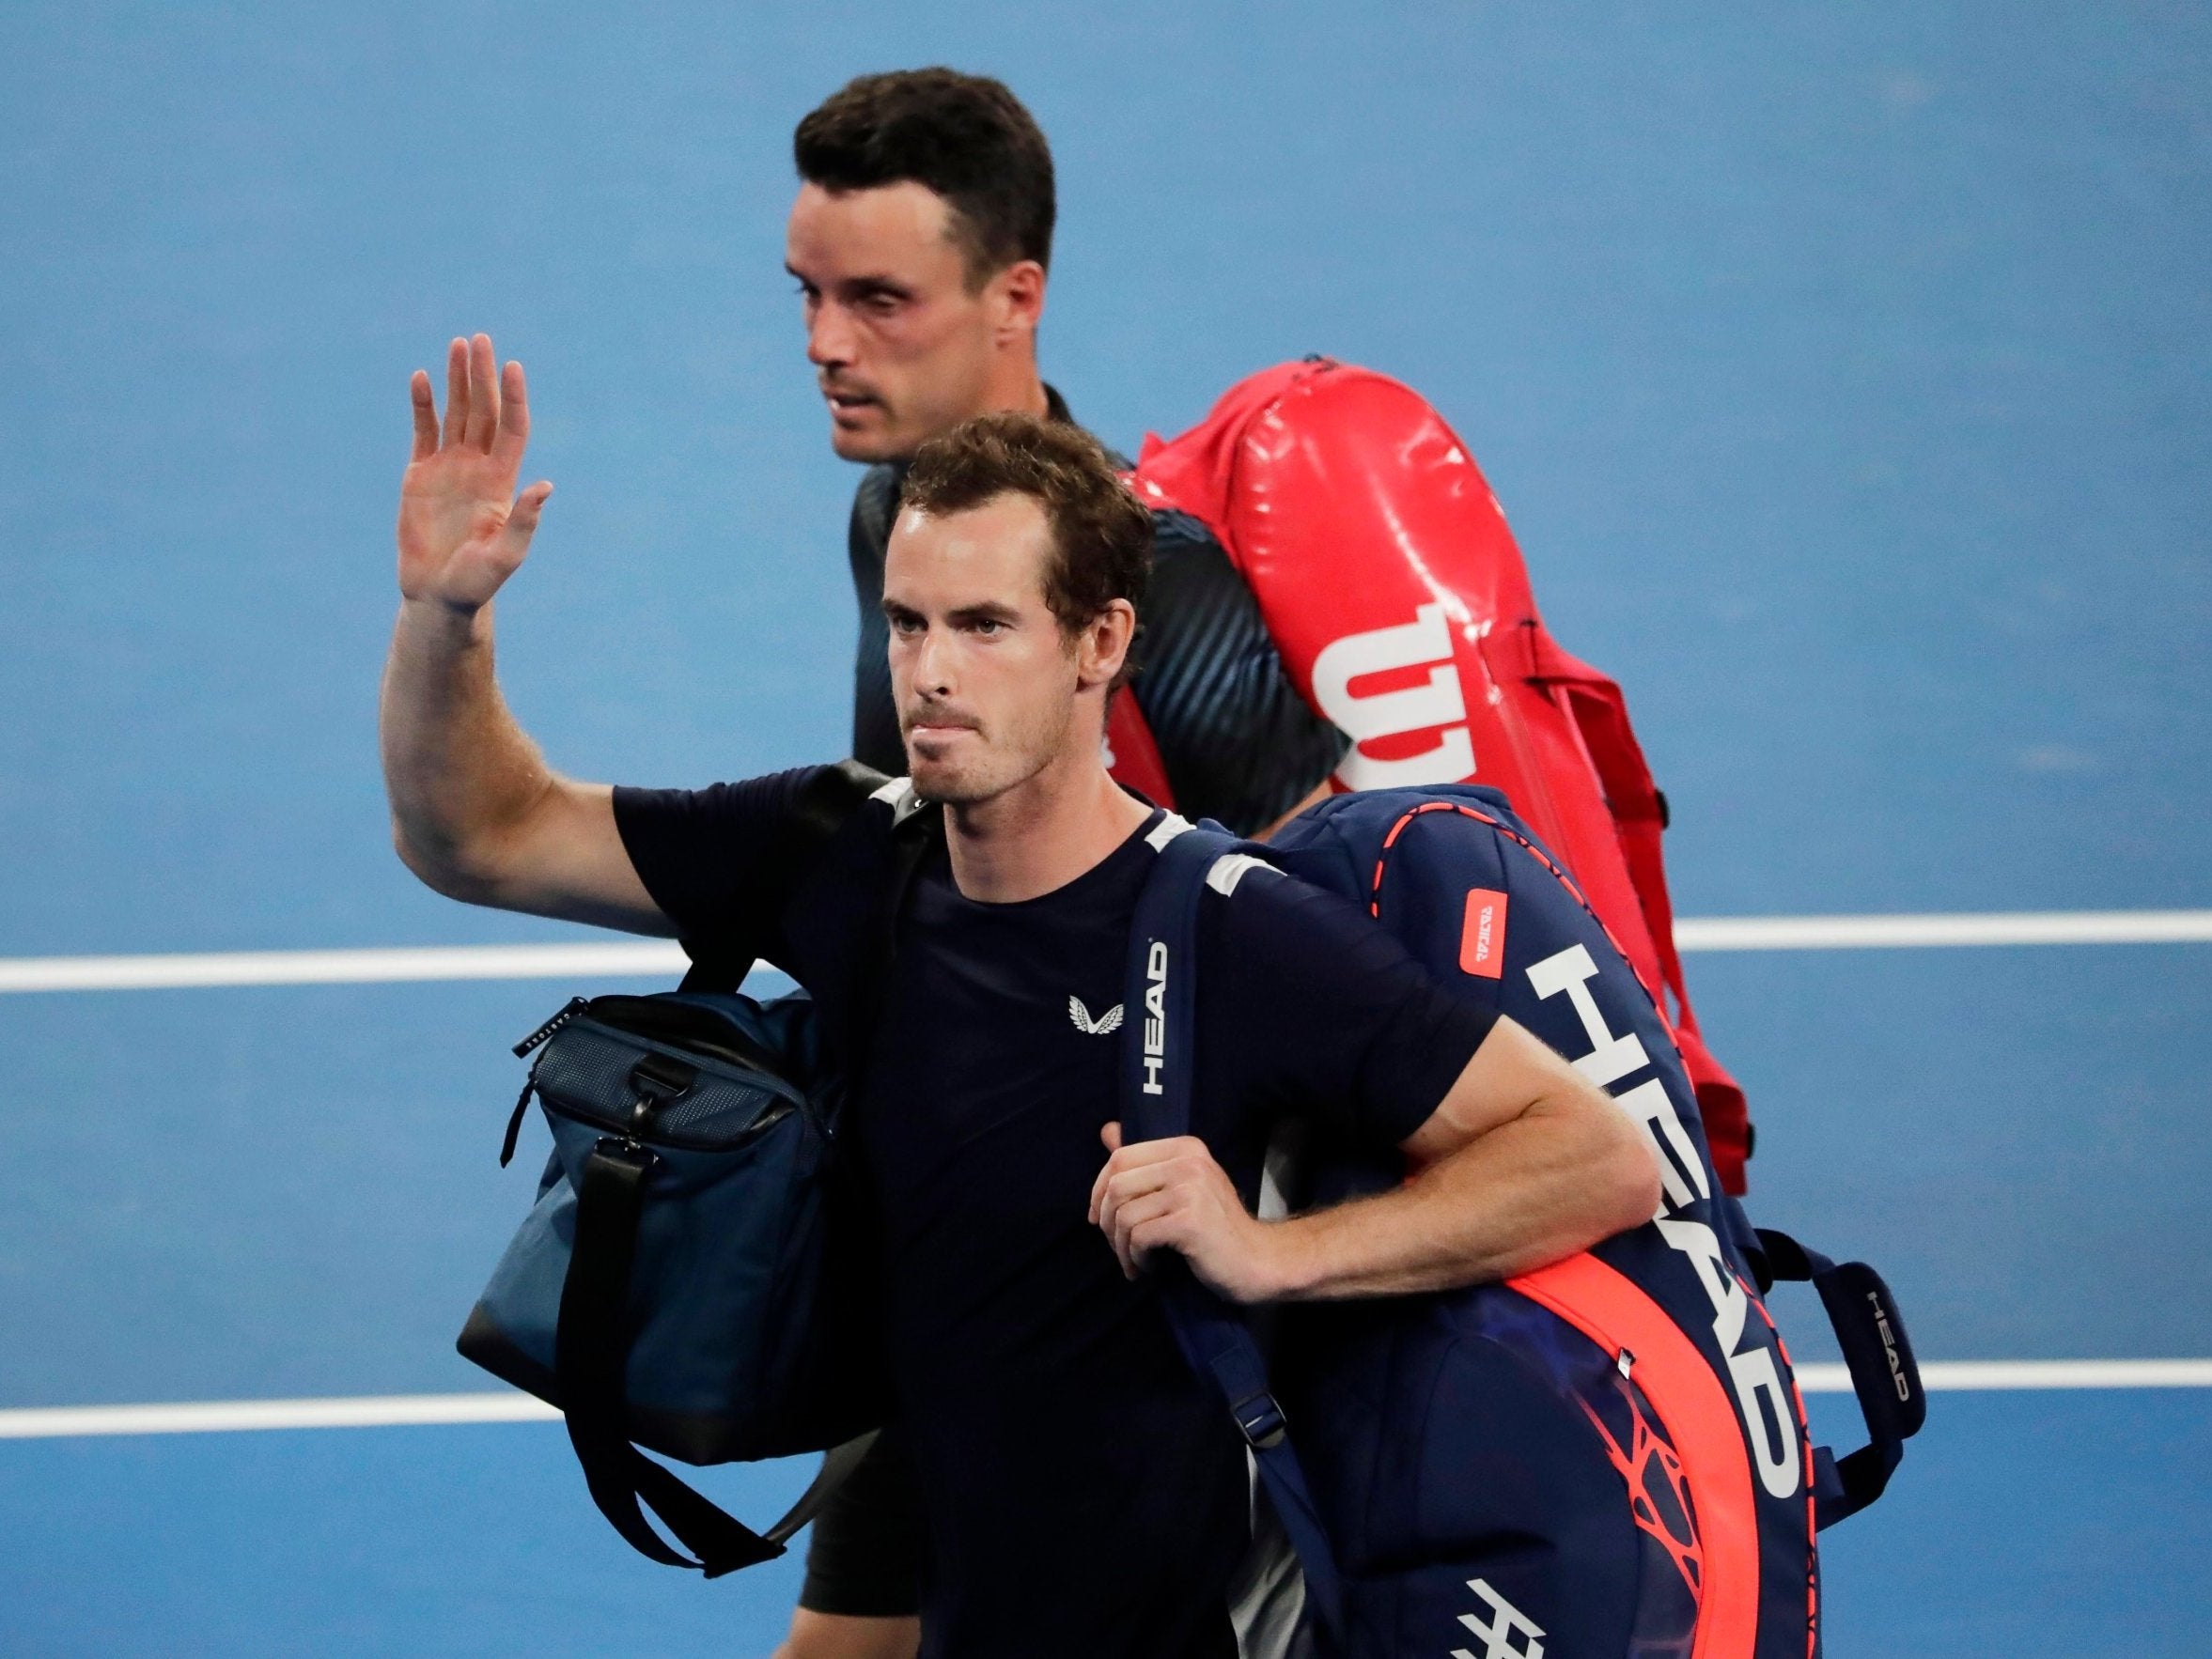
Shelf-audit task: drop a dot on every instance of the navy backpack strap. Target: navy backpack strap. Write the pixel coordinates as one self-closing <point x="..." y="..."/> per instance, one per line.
<point x="1884" y="1375"/>
<point x="1157" y="1073"/>
<point x="591" y="1353"/>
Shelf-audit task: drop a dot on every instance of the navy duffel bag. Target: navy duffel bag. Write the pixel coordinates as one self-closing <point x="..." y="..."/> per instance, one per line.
<point x="690" y="1278"/>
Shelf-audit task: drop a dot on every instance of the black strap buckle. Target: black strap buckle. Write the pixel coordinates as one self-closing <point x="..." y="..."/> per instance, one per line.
<point x="1261" y="1421"/>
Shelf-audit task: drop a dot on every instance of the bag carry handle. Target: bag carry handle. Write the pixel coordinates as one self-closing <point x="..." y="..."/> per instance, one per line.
<point x="590" y="1359"/>
<point x="1879" y="1355"/>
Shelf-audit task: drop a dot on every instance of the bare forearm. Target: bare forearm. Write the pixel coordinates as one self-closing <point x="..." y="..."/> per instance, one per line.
<point x="458" y="770"/>
<point x="476" y="813"/>
<point x="1530" y="1192"/>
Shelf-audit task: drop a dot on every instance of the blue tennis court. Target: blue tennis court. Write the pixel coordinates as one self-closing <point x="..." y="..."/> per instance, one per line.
<point x="1847" y="375"/>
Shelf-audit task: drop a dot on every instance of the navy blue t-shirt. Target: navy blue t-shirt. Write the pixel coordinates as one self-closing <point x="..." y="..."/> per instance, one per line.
<point x="1083" y="1492"/>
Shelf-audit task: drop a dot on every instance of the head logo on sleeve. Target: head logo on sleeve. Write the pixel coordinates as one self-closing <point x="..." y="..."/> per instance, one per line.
<point x="1481" y="938"/>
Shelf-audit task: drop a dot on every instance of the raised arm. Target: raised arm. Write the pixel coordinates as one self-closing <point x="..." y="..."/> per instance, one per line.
<point x="1524" y="1162"/>
<point x="476" y="810"/>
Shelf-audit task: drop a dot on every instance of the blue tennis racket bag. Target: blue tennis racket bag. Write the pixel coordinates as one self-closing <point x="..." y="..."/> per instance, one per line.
<point x="1603" y="1459"/>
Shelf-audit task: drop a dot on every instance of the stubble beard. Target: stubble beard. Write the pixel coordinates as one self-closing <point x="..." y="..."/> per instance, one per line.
<point x="867" y="449"/>
<point x="928" y="407"/>
<point x="1006" y="764"/>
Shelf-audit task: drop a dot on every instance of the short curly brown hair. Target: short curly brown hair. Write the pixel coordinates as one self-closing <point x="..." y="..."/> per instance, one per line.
<point x="1101" y="534"/>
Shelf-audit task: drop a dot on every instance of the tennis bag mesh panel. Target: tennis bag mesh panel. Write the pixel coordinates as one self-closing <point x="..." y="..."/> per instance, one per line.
<point x="1605" y="1458"/>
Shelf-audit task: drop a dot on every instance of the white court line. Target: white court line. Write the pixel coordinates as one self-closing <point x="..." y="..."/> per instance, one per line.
<point x="211" y="1416"/>
<point x="339" y="968"/>
<point x="1944" y="1376"/>
<point x="402" y="1410"/>
<point x="622" y="959"/>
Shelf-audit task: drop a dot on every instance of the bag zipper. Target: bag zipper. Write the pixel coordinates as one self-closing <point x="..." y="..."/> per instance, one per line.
<point x="574" y="1006"/>
<point x="514" y="1122"/>
<point x="733" y="1069"/>
<point x="730" y="1070"/>
<point x="644" y="1136"/>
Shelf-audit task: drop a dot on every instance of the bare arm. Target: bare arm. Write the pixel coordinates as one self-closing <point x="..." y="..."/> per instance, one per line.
<point x="1523" y="1163"/>
<point x="476" y="810"/>
<point x="839" y="1635"/>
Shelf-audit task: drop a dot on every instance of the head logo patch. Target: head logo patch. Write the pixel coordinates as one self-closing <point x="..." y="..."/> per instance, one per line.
<point x="1482" y="937"/>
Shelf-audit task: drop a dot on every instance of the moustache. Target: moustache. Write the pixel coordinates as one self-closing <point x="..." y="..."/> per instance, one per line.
<point x="934" y="715"/>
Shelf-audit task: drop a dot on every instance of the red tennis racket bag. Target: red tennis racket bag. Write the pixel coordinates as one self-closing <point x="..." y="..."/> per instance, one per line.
<point x="1398" y="597"/>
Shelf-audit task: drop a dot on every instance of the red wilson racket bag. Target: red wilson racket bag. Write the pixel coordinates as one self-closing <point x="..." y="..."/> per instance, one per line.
<point x="1398" y="597"/>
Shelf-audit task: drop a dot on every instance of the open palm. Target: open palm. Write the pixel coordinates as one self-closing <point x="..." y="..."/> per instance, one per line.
<point x="463" y="530"/>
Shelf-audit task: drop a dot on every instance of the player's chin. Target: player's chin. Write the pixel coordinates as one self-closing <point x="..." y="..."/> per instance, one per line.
<point x="864" y="435"/>
<point x="947" y="781"/>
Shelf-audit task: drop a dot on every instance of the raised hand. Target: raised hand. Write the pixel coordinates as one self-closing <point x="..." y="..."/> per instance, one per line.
<point x="463" y="530"/>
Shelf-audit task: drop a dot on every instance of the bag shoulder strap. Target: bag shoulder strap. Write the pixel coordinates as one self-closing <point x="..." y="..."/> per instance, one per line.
<point x="1600" y="715"/>
<point x="1157" y="1073"/>
<point x="591" y="1357"/>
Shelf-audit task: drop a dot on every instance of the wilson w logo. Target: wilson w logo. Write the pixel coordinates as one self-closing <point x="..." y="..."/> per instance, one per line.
<point x="1434" y="703"/>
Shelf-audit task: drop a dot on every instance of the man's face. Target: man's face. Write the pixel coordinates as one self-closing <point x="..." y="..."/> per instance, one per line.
<point x="901" y="348"/>
<point x="984" y="679"/>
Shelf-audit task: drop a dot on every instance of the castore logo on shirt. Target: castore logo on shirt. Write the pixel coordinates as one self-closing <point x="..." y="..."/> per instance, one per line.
<point x="1108" y="1021"/>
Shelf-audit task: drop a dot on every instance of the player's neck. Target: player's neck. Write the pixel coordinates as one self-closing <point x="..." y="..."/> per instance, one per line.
<point x="1043" y="833"/>
<point x="1013" y="384"/>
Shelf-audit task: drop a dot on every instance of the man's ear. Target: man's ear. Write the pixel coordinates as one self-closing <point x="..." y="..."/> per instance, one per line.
<point x="1018" y="300"/>
<point x="1104" y="644"/>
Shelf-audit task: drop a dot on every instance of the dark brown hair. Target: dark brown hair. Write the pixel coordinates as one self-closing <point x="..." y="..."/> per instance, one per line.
<point x="1101" y="534"/>
<point x="964" y="136"/>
